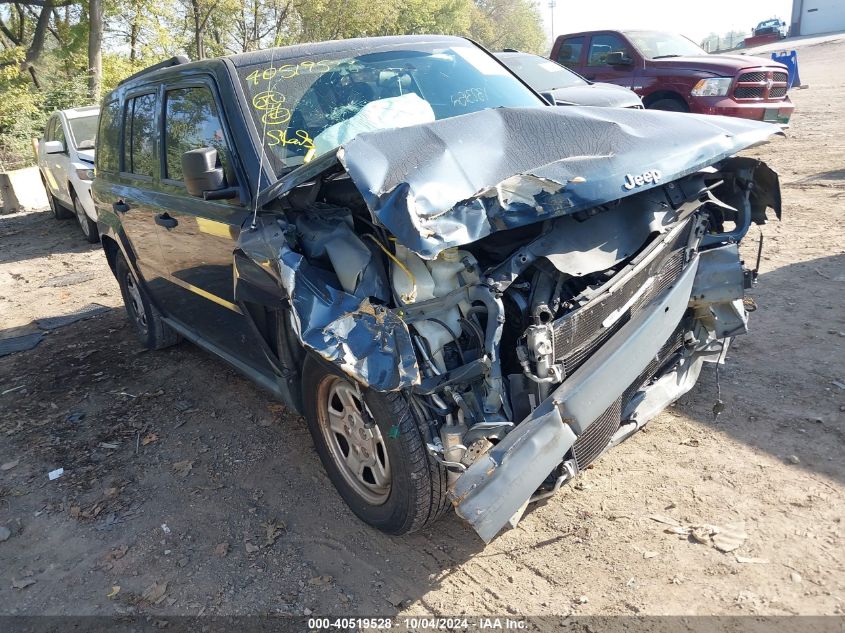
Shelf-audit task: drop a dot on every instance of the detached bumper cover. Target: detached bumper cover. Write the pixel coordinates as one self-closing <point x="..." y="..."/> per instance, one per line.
<point x="494" y="488"/>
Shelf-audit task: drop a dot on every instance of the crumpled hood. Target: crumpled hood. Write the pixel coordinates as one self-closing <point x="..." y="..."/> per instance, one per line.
<point x="454" y="181"/>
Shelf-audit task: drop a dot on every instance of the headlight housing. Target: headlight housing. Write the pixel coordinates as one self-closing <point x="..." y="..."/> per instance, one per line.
<point x="715" y="87"/>
<point x="85" y="174"/>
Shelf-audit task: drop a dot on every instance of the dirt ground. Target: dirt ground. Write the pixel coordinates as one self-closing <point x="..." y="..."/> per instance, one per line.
<point x="186" y="490"/>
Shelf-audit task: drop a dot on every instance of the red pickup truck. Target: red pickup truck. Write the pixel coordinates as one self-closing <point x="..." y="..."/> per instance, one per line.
<point x="670" y="72"/>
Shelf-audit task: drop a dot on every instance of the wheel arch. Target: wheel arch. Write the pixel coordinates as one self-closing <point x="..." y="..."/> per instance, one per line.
<point x="658" y="95"/>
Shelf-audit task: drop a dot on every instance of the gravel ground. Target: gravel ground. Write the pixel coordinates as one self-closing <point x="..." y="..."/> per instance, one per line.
<point x="186" y="490"/>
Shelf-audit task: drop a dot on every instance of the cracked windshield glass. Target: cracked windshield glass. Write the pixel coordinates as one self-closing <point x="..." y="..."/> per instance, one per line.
<point x="308" y="106"/>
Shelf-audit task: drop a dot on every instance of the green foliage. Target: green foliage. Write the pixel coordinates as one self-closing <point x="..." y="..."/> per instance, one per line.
<point x="139" y="33"/>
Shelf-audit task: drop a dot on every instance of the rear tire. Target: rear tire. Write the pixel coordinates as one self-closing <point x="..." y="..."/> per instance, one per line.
<point x="669" y="105"/>
<point x="404" y="489"/>
<point x="59" y="212"/>
<point x="147" y="321"/>
<point x="89" y="228"/>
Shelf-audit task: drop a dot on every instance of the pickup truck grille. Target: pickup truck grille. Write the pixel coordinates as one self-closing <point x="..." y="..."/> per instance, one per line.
<point x="761" y="85"/>
<point x="580" y="333"/>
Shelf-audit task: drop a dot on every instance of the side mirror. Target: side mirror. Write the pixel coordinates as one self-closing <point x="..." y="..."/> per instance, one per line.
<point x="54" y="147"/>
<point x="618" y="58"/>
<point x="201" y="172"/>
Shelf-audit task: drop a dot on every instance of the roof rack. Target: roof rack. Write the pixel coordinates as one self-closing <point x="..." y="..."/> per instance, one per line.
<point x="167" y="63"/>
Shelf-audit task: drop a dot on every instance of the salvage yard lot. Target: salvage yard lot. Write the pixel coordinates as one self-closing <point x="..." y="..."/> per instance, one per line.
<point x="187" y="490"/>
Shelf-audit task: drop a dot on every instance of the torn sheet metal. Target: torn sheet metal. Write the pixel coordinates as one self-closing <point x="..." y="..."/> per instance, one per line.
<point x="454" y="181"/>
<point x="368" y="342"/>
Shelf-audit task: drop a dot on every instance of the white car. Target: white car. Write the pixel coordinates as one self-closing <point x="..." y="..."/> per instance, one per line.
<point x="66" y="161"/>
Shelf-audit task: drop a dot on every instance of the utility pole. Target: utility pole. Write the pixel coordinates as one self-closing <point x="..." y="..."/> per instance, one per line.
<point x="552" y="5"/>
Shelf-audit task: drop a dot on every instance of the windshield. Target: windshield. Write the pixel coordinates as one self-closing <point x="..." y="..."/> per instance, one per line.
<point x="656" y="44"/>
<point x="540" y="73"/>
<point x="308" y="106"/>
<point x="84" y="130"/>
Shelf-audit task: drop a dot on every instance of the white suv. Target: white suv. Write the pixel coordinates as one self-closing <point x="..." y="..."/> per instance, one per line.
<point x="66" y="161"/>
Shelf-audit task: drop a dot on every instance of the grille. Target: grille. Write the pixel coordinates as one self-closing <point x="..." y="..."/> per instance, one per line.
<point x="753" y="76"/>
<point x="578" y="334"/>
<point x="595" y="439"/>
<point x="777" y="92"/>
<point x="592" y="442"/>
<point x="780" y="77"/>
<point x="749" y="92"/>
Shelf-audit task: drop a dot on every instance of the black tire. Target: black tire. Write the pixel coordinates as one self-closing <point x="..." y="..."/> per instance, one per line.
<point x="417" y="493"/>
<point x="59" y="212"/>
<point x="147" y="321"/>
<point x="669" y="104"/>
<point x="89" y="228"/>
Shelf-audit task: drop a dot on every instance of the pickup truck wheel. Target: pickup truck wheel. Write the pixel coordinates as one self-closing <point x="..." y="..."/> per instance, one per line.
<point x="59" y="212"/>
<point x="89" y="228"/>
<point x="382" y="470"/>
<point x="149" y="325"/>
<point x="669" y="105"/>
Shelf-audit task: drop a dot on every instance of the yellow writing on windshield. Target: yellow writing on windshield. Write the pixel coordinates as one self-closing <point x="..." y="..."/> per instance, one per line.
<point x="271" y="103"/>
<point x="300" y="138"/>
<point x="289" y="71"/>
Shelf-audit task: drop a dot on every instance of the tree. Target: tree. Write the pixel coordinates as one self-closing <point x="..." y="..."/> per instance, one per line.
<point x="95" y="44"/>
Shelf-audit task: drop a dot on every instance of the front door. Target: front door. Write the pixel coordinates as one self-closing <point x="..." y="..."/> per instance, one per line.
<point x="59" y="163"/>
<point x="596" y="67"/>
<point x="198" y="236"/>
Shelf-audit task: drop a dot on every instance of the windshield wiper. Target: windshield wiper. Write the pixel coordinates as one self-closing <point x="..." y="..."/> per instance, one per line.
<point x="664" y="56"/>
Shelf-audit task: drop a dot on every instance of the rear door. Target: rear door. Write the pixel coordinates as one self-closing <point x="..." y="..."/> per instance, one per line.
<point x="199" y="236"/>
<point x="596" y="67"/>
<point x="129" y="191"/>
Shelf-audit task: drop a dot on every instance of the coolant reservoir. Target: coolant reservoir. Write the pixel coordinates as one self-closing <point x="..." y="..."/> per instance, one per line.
<point x="431" y="279"/>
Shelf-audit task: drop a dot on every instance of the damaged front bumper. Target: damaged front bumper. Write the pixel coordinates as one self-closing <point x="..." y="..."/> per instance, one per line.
<point x="496" y="486"/>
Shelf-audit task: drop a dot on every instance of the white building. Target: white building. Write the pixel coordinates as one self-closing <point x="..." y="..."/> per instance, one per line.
<point x="811" y="17"/>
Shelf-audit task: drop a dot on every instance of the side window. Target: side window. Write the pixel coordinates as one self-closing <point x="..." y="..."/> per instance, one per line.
<point x="139" y="134"/>
<point x="601" y="45"/>
<point x="48" y="131"/>
<point x="108" y="138"/>
<point x="191" y="122"/>
<point x="59" y="133"/>
<point x="569" y="52"/>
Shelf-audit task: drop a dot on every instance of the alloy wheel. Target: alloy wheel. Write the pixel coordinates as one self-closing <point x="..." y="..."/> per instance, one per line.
<point x="359" y="452"/>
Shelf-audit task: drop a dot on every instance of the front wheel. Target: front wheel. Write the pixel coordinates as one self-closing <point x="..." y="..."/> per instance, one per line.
<point x="89" y="227"/>
<point x="669" y="105"/>
<point x="373" y="450"/>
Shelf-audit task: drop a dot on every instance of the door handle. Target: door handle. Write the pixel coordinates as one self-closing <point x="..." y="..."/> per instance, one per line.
<point x="166" y="221"/>
<point x="120" y="206"/>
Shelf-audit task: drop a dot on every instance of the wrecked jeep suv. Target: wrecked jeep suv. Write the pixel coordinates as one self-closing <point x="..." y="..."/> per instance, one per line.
<point x="469" y="294"/>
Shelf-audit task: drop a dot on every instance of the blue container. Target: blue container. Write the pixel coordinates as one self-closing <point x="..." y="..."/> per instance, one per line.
<point x="790" y="60"/>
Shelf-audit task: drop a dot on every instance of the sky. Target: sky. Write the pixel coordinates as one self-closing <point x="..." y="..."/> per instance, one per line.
<point x="694" y="18"/>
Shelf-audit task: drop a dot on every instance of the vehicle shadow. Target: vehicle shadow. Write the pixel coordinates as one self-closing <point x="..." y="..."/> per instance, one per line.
<point x="35" y="234"/>
<point x="784" y="382"/>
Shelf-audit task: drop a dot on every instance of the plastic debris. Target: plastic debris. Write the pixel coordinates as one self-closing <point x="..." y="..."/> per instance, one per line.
<point x="22" y="584"/>
<point x="114" y="591"/>
<point x="165" y="529"/>
<point x="155" y="592"/>
<point x="55" y="474"/>
<point x="10" y="465"/>
<point x="5" y="533"/>
<point x="751" y="560"/>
